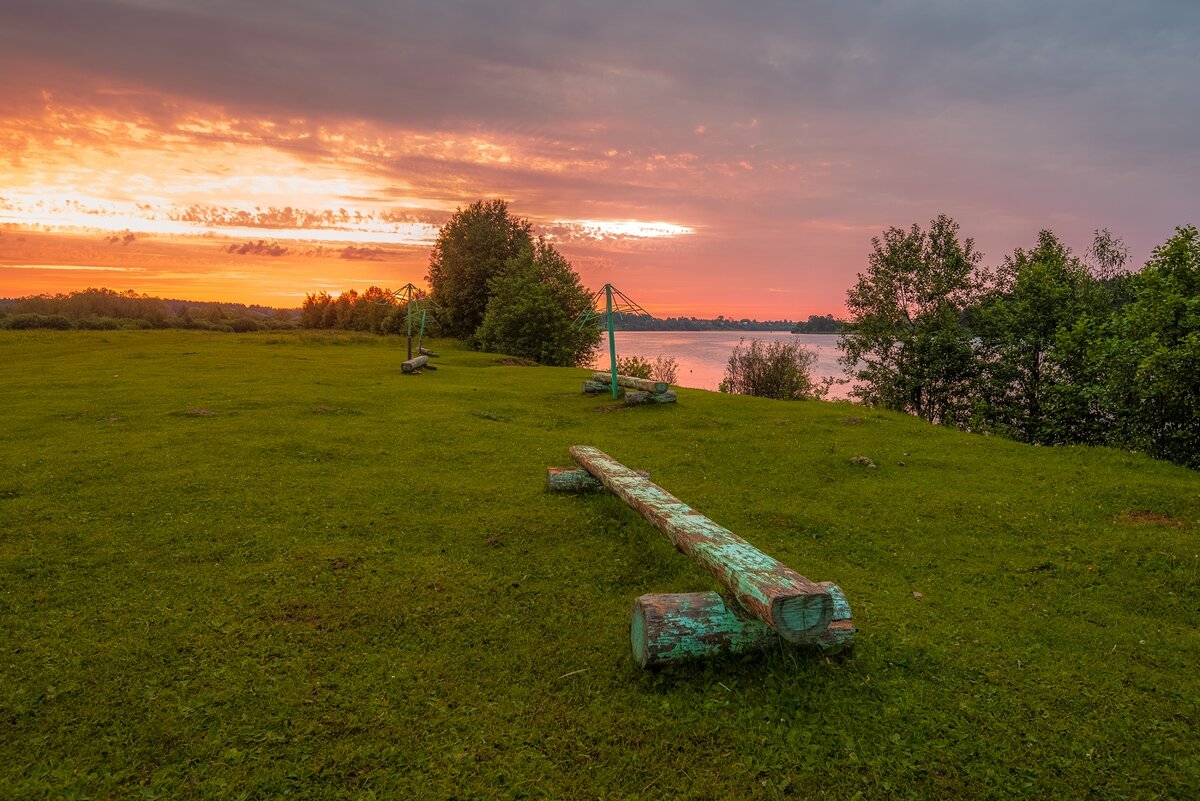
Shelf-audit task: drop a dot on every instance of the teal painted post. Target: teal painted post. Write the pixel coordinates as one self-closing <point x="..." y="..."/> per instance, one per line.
<point x="421" y="337"/>
<point x="408" y="315"/>
<point x="612" y="339"/>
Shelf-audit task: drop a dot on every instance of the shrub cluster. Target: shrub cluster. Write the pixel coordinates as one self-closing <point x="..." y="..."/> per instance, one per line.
<point x="779" y="370"/>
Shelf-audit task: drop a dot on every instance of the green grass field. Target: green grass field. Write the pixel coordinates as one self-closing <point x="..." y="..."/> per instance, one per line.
<point x="271" y="565"/>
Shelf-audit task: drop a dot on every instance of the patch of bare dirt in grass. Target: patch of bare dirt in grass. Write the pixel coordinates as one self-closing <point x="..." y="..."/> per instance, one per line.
<point x="302" y="614"/>
<point x="1148" y="519"/>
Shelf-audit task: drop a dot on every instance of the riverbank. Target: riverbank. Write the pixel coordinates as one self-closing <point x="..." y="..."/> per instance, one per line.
<point x="703" y="355"/>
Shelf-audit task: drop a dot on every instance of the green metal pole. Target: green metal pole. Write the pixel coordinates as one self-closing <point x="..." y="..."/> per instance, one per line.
<point x="612" y="339"/>
<point x="408" y="314"/>
<point x="421" y="338"/>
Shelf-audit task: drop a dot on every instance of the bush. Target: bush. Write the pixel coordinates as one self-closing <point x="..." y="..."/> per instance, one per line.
<point x="779" y="370"/>
<point x="665" y="369"/>
<point x="33" y="320"/>
<point x="634" y="367"/>
<point x="244" y="325"/>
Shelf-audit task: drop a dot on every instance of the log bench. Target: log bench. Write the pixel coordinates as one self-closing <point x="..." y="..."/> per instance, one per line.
<point x="768" y="602"/>
<point x="648" y="391"/>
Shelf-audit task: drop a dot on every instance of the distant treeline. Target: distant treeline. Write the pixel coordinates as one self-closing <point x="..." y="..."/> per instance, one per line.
<point x="645" y="322"/>
<point x="818" y="324"/>
<point x="107" y="309"/>
<point x="375" y="310"/>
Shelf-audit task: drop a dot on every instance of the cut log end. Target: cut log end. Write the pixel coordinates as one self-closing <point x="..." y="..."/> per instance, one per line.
<point x="802" y="619"/>
<point x="414" y="364"/>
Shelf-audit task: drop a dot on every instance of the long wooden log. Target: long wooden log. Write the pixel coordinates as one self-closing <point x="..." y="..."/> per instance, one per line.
<point x="638" y="398"/>
<point x="799" y="609"/>
<point x="414" y="364"/>
<point x="425" y="352"/>
<point x="630" y="382"/>
<point x="672" y="627"/>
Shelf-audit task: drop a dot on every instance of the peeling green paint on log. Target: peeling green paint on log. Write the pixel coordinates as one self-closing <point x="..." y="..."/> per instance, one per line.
<point x="799" y="609"/>
<point x="596" y="388"/>
<point x="567" y="479"/>
<point x="839" y="635"/>
<point x="575" y="479"/>
<point x="638" y="398"/>
<point x="672" y="627"/>
<point x="414" y="364"/>
<point x="630" y="382"/>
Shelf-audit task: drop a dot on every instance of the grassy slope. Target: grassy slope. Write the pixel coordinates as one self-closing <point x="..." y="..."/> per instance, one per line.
<point x="347" y="581"/>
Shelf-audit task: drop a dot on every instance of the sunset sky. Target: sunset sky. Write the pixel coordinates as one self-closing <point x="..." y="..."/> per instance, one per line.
<point x="705" y="157"/>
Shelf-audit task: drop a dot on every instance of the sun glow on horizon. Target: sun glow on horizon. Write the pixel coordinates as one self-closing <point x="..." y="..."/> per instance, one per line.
<point x="639" y="229"/>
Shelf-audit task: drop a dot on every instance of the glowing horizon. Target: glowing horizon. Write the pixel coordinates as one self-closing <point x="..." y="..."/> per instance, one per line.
<point x="243" y="151"/>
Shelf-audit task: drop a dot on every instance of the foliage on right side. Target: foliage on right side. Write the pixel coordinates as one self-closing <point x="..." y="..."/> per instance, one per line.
<point x="1048" y="348"/>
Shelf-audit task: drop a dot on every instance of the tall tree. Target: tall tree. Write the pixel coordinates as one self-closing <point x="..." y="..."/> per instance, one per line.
<point x="1032" y="391"/>
<point x="1151" y="357"/>
<point x="905" y="344"/>
<point x="471" y="249"/>
<point x="534" y="308"/>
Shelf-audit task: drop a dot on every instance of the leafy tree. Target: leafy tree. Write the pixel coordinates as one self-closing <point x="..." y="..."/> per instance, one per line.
<point x="312" y="312"/>
<point x="1107" y="255"/>
<point x="1150" y="360"/>
<point x="472" y="249"/>
<point x="1033" y="389"/>
<point x="535" y="303"/>
<point x="905" y="345"/>
<point x="779" y="370"/>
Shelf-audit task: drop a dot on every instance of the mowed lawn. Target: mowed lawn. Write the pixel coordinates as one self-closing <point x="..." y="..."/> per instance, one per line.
<point x="267" y="565"/>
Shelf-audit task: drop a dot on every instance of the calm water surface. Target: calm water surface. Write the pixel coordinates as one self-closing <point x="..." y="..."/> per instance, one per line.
<point x="703" y="355"/>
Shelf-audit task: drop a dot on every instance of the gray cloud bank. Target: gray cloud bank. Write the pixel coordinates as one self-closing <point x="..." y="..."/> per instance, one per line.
<point x="1012" y="115"/>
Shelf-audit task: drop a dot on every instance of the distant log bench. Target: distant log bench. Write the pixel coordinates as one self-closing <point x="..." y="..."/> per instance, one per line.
<point x="417" y="362"/>
<point x="648" y="391"/>
<point x="770" y="603"/>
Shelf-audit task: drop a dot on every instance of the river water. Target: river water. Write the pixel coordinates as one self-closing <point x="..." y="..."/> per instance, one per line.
<point x="703" y="355"/>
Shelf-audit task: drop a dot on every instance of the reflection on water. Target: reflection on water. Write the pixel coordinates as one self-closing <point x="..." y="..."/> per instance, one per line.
<point x="703" y="355"/>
